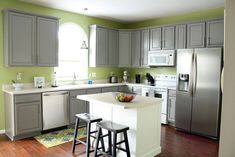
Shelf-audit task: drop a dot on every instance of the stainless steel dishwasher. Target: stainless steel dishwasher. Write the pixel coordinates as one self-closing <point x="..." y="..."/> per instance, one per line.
<point x="55" y="109"/>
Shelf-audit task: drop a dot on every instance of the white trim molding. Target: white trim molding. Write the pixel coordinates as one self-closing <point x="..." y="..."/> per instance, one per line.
<point x="2" y="131"/>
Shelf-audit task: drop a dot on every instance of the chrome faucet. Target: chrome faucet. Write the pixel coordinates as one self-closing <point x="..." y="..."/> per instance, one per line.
<point x="74" y="78"/>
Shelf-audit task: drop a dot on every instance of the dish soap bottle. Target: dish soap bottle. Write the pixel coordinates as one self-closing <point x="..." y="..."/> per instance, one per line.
<point x="53" y="80"/>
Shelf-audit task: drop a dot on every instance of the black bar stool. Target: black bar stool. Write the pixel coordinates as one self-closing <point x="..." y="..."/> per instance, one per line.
<point x="89" y="119"/>
<point x="113" y="145"/>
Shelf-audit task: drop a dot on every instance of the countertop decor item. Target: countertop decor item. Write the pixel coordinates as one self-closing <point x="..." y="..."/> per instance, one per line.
<point x="124" y="97"/>
<point x="125" y="76"/>
<point x="39" y="82"/>
<point x="17" y="86"/>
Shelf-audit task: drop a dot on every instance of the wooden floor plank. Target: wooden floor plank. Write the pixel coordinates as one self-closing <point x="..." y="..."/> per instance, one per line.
<point x="174" y="144"/>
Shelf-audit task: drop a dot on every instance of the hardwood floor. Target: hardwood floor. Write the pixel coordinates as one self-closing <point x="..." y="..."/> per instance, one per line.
<point x="174" y="144"/>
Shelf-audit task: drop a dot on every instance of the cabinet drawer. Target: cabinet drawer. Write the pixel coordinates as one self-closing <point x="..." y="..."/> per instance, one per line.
<point x="27" y="98"/>
<point x="172" y="92"/>
<point x="74" y="93"/>
<point x="93" y="90"/>
<point x="109" y="89"/>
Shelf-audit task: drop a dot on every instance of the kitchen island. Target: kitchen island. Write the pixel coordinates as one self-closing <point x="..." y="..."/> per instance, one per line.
<point x="142" y="115"/>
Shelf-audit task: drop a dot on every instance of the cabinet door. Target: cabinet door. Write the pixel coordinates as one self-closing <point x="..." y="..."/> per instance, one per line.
<point x="171" y="109"/>
<point x="135" y="48"/>
<point x="124" y="49"/>
<point x="196" y="35"/>
<point x="155" y="39"/>
<point x="47" y="42"/>
<point x="109" y="89"/>
<point x="215" y="33"/>
<point x="19" y="39"/>
<point x="113" y="48"/>
<point x="77" y="106"/>
<point x="144" y="47"/>
<point x="102" y="47"/>
<point x="28" y="117"/>
<point x="180" y="36"/>
<point x="168" y="37"/>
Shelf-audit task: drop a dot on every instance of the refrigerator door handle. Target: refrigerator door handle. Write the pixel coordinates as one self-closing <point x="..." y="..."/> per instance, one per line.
<point x="195" y="74"/>
<point x="191" y="76"/>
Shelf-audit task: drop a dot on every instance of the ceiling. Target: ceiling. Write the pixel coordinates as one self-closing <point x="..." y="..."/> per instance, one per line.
<point x="130" y="10"/>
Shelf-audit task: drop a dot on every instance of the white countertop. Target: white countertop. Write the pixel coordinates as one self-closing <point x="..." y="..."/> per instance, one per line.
<point x="28" y="90"/>
<point x="108" y="98"/>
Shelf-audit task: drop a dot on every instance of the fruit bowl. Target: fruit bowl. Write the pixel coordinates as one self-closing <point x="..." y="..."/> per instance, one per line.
<point x="124" y="97"/>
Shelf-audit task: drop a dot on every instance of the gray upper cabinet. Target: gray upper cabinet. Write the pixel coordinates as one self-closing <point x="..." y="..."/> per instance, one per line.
<point x="28" y="116"/>
<point x="113" y="48"/>
<point x="47" y="41"/>
<point x="77" y="106"/>
<point x="155" y="38"/>
<point x="103" y="47"/>
<point x="196" y="35"/>
<point x="180" y="36"/>
<point x="135" y="48"/>
<point x="144" y="47"/>
<point x="19" y="39"/>
<point x="30" y="40"/>
<point x="124" y="48"/>
<point x="168" y="37"/>
<point x="215" y="33"/>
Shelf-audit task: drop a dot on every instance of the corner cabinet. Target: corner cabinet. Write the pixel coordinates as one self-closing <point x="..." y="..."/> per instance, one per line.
<point x="124" y="48"/>
<point x="23" y="115"/>
<point x="30" y="40"/>
<point x="135" y="48"/>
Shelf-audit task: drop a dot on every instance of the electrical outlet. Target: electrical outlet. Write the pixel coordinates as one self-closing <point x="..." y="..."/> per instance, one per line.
<point x="93" y="74"/>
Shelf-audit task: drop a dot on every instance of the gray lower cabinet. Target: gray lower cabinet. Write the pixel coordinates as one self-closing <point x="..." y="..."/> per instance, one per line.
<point x="135" y="48"/>
<point x="76" y="106"/>
<point x="196" y="35"/>
<point x="171" y="106"/>
<point x="168" y="38"/>
<point x="30" y="40"/>
<point x="109" y="89"/>
<point x="155" y="39"/>
<point x="23" y="115"/>
<point x="124" y="48"/>
<point x="180" y="36"/>
<point x="215" y="33"/>
<point x="144" y="47"/>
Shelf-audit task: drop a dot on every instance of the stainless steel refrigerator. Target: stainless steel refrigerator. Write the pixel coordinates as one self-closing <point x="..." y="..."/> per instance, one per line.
<point x="198" y="94"/>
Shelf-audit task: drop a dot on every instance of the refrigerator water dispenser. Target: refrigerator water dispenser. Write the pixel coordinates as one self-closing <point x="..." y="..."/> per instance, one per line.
<point x="183" y="82"/>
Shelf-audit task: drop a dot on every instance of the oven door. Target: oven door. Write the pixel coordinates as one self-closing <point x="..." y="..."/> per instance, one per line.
<point x="162" y="93"/>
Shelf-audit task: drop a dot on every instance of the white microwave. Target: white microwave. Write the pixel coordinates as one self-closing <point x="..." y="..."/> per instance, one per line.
<point x="161" y="58"/>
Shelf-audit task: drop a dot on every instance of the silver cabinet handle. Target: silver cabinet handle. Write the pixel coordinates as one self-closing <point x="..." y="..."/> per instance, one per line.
<point x="54" y="94"/>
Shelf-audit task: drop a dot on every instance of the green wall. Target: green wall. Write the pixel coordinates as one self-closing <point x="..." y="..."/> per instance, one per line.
<point x="9" y="73"/>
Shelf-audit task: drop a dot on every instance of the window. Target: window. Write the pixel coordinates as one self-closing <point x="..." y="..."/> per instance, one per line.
<point x="72" y="59"/>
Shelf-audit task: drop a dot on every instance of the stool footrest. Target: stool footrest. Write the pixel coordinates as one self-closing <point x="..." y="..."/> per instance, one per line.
<point x="120" y="142"/>
<point x="122" y="149"/>
<point x="81" y="142"/>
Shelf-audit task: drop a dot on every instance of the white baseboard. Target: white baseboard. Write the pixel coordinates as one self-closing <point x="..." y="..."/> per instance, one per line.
<point x="2" y="131"/>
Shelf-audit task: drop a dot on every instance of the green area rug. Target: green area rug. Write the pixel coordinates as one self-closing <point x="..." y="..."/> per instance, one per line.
<point x="59" y="137"/>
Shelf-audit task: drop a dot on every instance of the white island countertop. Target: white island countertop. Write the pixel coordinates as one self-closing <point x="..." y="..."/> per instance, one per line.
<point x="108" y="98"/>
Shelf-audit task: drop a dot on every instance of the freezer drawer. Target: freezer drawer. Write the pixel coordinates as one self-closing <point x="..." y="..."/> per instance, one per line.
<point x="55" y="109"/>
